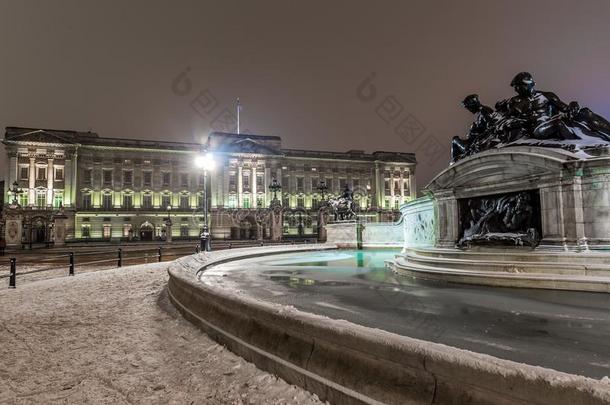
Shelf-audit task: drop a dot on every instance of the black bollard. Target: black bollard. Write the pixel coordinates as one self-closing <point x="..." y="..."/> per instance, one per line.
<point x="71" y="272"/>
<point x="160" y="256"/>
<point x="13" y="275"/>
<point x="120" y="261"/>
<point x="197" y="249"/>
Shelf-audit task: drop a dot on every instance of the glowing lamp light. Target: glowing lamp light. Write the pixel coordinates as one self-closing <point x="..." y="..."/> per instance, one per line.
<point x="205" y="162"/>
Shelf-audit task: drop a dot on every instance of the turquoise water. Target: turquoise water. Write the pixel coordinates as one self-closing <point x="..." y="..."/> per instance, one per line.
<point x="333" y="267"/>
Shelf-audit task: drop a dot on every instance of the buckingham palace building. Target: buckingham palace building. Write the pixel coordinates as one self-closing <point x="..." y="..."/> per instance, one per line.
<point x="112" y="189"/>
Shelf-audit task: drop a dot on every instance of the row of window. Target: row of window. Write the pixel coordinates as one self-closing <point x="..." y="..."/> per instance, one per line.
<point x="41" y="172"/>
<point x="147" y="201"/>
<point x="146" y="181"/>
<point x="40" y="199"/>
<point x="127" y="231"/>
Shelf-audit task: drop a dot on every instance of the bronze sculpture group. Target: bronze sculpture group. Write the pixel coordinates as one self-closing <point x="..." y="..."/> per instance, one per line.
<point x="530" y="115"/>
<point x="344" y="207"/>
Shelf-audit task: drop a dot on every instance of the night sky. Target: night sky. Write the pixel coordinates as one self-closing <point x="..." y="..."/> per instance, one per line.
<point x="111" y="67"/>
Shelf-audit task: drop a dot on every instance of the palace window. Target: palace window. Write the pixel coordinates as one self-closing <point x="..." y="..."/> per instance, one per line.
<point x="200" y="200"/>
<point x="184" y="202"/>
<point x="24" y="172"/>
<point x="87" y="201"/>
<point x="128" y="201"/>
<point x="41" y="199"/>
<point x="246" y="182"/>
<point x="127" y="177"/>
<point x="299" y="185"/>
<point x="342" y="183"/>
<point x="41" y="173"/>
<point x="127" y="232"/>
<point x="387" y="204"/>
<point x="87" y="176"/>
<point x="259" y="181"/>
<point x="147" y="201"/>
<point x="107" y="177"/>
<point x="286" y="201"/>
<point x="387" y="187"/>
<point x="285" y="183"/>
<point x="106" y="231"/>
<point x="355" y="184"/>
<point x="107" y="201"/>
<point x="184" y="180"/>
<point x="246" y="202"/>
<point x="166" y="179"/>
<point x="59" y="173"/>
<point x="300" y="202"/>
<point x="23" y="199"/>
<point x="396" y="203"/>
<point x="232" y="201"/>
<point x="232" y="182"/>
<point x="260" y="201"/>
<point x="58" y="199"/>
<point x="86" y="230"/>
<point x="184" y="230"/>
<point x="166" y="201"/>
<point x="147" y="179"/>
<point x="315" y="204"/>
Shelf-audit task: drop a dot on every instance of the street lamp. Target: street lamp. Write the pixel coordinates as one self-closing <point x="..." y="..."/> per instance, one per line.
<point x="15" y="191"/>
<point x="322" y="188"/>
<point x="205" y="161"/>
<point x="274" y="187"/>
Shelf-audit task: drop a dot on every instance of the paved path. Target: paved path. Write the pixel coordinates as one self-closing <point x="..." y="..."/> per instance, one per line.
<point x="566" y="331"/>
<point x="113" y="337"/>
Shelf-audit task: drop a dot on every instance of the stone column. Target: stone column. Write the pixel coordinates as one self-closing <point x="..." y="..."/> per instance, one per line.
<point x="379" y="186"/>
<point x="402" y="186"/>
<point x="74" y="178"/>
<point x="412" y="183"/>
<point x="240" y="192"/>
<point x="253" y="182"/>
<point x="267" y="182"/>
<point x="67" y="182"/>
<point x="13" y="171"/>
<point x="32" y="182"/>
<point x="50" y="179"/>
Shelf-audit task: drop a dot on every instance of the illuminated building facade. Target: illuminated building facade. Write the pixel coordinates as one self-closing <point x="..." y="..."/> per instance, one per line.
<point x="114" y="189"/>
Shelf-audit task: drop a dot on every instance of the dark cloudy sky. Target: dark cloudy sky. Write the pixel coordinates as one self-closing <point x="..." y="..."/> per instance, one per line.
<point x="108" y="66"/>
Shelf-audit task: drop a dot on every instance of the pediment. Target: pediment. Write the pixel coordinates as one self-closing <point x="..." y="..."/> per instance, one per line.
<point x="41" y="136"/>
<point x="249" y="146"/>
<point x="501" y="170"/>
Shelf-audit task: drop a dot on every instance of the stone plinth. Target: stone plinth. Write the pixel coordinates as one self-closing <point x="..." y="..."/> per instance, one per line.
<point x="574" y="192"/>
<point x="344" y="234"/>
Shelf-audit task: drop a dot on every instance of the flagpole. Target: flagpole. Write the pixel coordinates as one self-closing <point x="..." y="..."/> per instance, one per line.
<point x="238" y="108"/>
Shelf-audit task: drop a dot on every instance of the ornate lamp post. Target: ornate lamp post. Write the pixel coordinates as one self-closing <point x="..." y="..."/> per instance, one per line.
<point x="15" y="191"/>
<point x="168" y="225"/>
<point x="322" y="188"/>
<point x="274" y="187"/>
<point x="205" y="161"/>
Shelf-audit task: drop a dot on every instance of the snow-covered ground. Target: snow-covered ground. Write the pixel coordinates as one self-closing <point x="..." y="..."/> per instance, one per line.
<point x="113" y="337"/>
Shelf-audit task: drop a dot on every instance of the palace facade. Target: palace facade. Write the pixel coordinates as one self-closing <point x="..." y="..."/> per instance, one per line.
<point x="113" y="189"/>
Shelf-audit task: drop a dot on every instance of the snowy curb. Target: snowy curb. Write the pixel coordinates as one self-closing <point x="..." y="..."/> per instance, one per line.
<point x="346" y="363"/>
